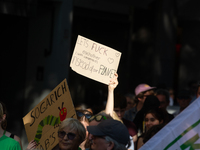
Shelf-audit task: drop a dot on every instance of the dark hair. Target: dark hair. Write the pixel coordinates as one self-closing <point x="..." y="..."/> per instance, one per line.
<point x="151" y="132"/>
<point x="120" y="101"/>
<point x="157" y="113"/>
<point x="163" y="92"/>
<point x="141" y="95"/>
<point x="151" y="102"/>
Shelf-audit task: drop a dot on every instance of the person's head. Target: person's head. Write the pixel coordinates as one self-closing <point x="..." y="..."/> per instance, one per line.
<point x="184" y="98"/>
<point x="83" y="115"/>
<point x="153" y="117"/>
<point x="120" y="105"/>
<point x="163" y="97"/>
<point x="84" y="107"/>
<point x="151" y="102"/>
<point x="130" y="101"/>
<point x="71" y="134"/>
<point x="96" y="119"/>
<point x="198" y="90"/>
<point x="109" y="135"/>
<point x="142" y="91"/>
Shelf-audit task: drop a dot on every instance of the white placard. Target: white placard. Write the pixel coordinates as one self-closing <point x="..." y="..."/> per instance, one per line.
<point x="94" y="60"/>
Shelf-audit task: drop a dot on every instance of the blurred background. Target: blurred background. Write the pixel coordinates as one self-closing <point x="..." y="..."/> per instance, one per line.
<point x="158" y="39"/>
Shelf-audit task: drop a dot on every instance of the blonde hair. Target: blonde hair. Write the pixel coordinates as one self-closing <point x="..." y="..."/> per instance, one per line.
<point x="76" y="125"/>
<point x="114" y="115"/>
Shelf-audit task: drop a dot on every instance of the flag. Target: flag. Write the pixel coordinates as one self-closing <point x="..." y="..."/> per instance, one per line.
<point x="182" y="133"/>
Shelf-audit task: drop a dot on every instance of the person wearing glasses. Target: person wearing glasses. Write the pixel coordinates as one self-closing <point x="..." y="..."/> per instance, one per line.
<point x="83" y="114"/>
<point x="141" y="92"/>
<point x="109" y="134"/>
<point x="71" y="134"/>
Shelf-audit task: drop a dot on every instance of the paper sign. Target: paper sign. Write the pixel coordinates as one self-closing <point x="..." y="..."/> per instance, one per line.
<point x="182" y="133"/>
<point x="42" y="122"/>
<point x="94" y="60"/>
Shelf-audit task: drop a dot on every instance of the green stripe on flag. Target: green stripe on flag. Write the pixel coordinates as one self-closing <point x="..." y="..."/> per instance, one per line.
<point x="182" y="134"/>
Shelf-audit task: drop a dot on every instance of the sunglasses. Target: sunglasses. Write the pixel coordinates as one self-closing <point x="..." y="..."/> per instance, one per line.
<point x="81" y="114"/>
<point x="98" y="118"/>
<point x="70" y="135"/>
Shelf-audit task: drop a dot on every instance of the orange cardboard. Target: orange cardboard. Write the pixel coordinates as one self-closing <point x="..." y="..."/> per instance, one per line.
<point x="42" y="122"/>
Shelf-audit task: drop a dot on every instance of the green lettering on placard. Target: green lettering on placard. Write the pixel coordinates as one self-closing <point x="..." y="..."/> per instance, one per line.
<point x="182" y="134"/>
<point x="190" y="143"/>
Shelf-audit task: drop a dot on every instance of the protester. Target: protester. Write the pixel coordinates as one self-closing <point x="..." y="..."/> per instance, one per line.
<point x="71" y="134"/>
<point x="6" y="143"/>
<point x="4" y="125"/>
<point x="152" y="117"/>
<point x="152" y="131"/>
<point x="84" y="113"/>
<point x="183" y="99"/>
<point x="130" y="101"/>
<point x="84" y="108"/>
<point x="151" y="102"/>
<point x="120" y="107"/>
<point x="109" y="134"/>
<point x="141" y="92"/>
<point x="163" y="97"/>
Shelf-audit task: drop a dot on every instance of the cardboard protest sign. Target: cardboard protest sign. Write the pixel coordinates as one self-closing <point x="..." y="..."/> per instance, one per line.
<point x="182" y="133"/>
<point x="94" y="60"/>
<point x="42" y="122"/>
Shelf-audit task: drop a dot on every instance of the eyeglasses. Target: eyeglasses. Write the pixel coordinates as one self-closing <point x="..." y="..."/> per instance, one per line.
<point x="98" y="118"/>
<point x="80" y="114"/>
<point x="70" y="135"/>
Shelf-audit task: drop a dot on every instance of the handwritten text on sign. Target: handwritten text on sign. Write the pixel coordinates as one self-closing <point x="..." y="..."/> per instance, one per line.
<point x="94" y="60"/>
<point x="42" y="122"/>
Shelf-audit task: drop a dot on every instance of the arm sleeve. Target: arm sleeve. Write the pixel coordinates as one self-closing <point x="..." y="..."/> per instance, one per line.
<point x="17" y="146"/>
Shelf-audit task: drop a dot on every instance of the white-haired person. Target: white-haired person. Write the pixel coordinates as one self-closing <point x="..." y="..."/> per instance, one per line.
<point x="109" y="134"/>
<point x="71" y="134"/>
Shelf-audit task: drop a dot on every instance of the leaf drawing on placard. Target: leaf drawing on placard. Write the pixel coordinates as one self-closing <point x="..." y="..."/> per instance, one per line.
<point x="110" y="60"/>
<point x="117" y="54"/>
<point x="50" y="120"/>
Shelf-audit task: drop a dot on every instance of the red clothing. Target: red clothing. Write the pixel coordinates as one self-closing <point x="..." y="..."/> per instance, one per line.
<point x="132" y="129"/>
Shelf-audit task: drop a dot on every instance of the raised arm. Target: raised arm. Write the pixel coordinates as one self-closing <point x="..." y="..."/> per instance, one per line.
<point x="110" y="99"/>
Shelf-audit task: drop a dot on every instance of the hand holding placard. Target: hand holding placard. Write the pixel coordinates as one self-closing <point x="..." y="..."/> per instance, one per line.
<point x="94" y="60"/>
<point x="42" y="122"/>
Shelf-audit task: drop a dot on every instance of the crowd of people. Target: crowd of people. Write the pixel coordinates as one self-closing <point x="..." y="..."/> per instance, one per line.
<point x="127" y="122"/>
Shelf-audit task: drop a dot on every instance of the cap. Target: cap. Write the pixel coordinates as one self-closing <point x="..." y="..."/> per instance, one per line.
<point x="184" y="94"/>
<point x="112" y="128"/>
<point x="142" y="88"/>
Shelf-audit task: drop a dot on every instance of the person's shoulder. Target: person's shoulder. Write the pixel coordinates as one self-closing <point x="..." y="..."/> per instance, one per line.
<point x="17" y="138"/>
<point x="10" y="142"/>
<point x="126" y="121"/>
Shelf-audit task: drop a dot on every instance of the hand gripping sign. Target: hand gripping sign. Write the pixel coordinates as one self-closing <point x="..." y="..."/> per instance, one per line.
<point x="42" y="122"/>
<point x="94" y="60"/>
